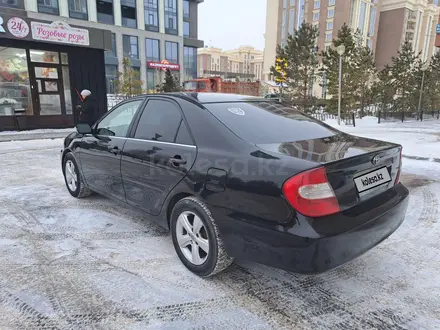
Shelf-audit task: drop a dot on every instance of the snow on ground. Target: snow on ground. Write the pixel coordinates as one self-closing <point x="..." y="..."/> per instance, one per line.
<point x="94" y="264"/>
<point x="38" y="131"/>
<point x="419" y="139"/>
<point x="13" y="146"/>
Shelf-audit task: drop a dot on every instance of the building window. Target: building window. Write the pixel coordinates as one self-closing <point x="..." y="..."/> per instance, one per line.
<point x="292" y="3"/>
<point x="284" y="4"/>
<point x="130" y="46"/>
<point x="151" y="13"/>
<point x="300" y="10"/>
<point x="316" y="16"/>
<point x="317" y="4"/>
<point x="172" y="52"/>
<point x="78" y="9"/>
<point x="111" y="76"/>
<point x="331" y="2"/>
<point x="362" y="15"/>
<point x="185" y="9"/>
<point x="171" y="17"/>
<point x="331" y="13"/>
<point x="186" y="29"/>
<point x="128" y="13"/>
<point x="328" y="37"/>
<point x="330" y="25"/>
<point x="104" y="10"/>
<point x="112" y="52"/>
<point x="291" y="21"/>
<point x="9" y="3"/>
<point x="152" y="50"/>
<point x="283" y="26"/>
<point x="48" y="7"/>
<point x="370" y="44"/>
<point x="190" y="62"/>
<point x="372" y="21"/>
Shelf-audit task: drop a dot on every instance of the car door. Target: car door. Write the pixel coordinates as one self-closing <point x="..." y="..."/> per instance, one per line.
<point x="100" y="155"/>
<point x="157" y="156"/>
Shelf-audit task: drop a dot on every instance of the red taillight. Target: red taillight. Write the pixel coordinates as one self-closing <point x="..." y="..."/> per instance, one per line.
<point x="399" y="169"/>
<point x="311" y="194"/>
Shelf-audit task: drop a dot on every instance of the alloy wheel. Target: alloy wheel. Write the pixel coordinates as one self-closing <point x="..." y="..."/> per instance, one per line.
<point x="71" y="175"/>
<point x="192" y="238"/>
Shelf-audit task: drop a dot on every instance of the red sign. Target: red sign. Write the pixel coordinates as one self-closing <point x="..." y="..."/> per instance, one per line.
<point x="164" y="65"/>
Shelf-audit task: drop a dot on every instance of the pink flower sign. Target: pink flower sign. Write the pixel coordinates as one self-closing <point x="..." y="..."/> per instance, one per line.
<point x="60" y="32"/>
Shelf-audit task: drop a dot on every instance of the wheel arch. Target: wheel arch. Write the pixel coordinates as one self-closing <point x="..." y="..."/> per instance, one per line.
<point x="173" y="201"/>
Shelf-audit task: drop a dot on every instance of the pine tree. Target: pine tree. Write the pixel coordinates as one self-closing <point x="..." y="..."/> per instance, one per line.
<point x="404" y="78"/>
<point x="432" y="84"/>
<point x="365" y="76"/>
<point x="383" y="90"/>
<point x="350" y="71"/>
<point x="299" y="61"/>
<point x="128" y="82"/>
<point x="171" y="83"/>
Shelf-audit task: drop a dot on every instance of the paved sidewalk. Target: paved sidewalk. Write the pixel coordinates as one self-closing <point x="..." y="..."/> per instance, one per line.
<point x="39" y="134"/>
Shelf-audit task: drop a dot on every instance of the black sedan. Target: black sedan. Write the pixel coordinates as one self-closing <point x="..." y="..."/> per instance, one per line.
<point x="241" y="177"/>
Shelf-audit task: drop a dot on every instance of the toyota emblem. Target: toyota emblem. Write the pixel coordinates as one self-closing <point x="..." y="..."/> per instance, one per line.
<point x="375" y="160"/>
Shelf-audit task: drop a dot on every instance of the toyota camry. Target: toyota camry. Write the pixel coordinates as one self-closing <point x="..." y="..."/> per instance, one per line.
<point x="237" y="177"/>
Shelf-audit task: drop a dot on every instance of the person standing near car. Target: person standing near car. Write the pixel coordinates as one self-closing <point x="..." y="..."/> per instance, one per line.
<point x="88" y="108"/>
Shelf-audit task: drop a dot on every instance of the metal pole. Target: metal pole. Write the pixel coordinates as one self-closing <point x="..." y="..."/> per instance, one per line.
<point x="421" y="95"/>
<point x="340" y="90"/>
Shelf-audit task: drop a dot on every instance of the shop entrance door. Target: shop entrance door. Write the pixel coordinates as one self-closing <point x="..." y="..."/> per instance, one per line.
<point x="48" y="89"/>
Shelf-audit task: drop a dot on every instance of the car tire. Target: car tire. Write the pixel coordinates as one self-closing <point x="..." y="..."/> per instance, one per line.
<point x="73" y="178"/>
<point x="199" y="237"/>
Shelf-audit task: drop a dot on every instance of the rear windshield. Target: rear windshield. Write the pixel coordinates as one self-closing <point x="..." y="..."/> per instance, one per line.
<point x="268" y="122"/>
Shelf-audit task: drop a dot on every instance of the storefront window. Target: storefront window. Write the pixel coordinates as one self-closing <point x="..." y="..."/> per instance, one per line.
<point x="50" y="104"/>
<point x="15" y="92"/>
<point x="44" y="56"/>
<point x="67" y="90"/>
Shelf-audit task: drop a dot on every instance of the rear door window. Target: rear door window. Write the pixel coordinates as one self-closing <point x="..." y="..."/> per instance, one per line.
<point x="159" y="121"/>
<point x="268" y="122"/>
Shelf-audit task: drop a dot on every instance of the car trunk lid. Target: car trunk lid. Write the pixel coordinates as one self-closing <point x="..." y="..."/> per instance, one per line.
<point x="357" y="168"/>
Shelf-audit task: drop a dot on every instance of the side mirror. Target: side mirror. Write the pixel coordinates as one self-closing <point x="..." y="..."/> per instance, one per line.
<point x="83" y="129"/>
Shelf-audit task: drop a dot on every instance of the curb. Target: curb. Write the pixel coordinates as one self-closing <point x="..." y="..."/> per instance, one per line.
<point x="436" y="160"/>
<point x="29" y="137"/>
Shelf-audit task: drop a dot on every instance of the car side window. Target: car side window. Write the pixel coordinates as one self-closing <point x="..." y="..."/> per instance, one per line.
<point x="159" y="121"/>
<point x="183" y="136"/>
<point x="118" y="121"/>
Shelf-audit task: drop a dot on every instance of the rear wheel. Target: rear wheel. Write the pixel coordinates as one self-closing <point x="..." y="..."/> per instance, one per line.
<point x="74" y="181"/>
<point x="196" y="238"/>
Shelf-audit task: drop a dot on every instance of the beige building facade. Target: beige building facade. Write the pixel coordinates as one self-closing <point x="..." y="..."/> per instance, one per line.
<point x="244" y="62"/>
<point x="413" y="20"/>
<point x="285" y="16"/>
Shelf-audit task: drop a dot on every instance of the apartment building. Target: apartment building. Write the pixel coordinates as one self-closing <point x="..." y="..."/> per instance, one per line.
<point x="244" y="62"/>
<point x="51" y="49"/>
<point x="285" y="16"/>
<point x="413" y="20"/>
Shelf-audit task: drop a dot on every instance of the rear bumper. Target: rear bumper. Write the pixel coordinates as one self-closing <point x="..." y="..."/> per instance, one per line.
<point x="309" y="247"/>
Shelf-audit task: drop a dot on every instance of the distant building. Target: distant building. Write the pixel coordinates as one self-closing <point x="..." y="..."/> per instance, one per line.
<point x="285" y="16"/>
<point x="414" y="20"/>
<point x="244" y="63"/>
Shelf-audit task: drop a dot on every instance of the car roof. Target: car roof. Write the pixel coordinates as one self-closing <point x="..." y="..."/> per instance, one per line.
<point x="205" y="98"/>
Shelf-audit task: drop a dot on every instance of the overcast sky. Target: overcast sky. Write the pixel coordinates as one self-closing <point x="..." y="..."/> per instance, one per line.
<point x="229" y="24"/>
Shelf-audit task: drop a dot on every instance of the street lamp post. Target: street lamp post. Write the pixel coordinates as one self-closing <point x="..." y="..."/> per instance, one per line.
<point x="341" y="50"/>
<point x="424" y="68"/>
